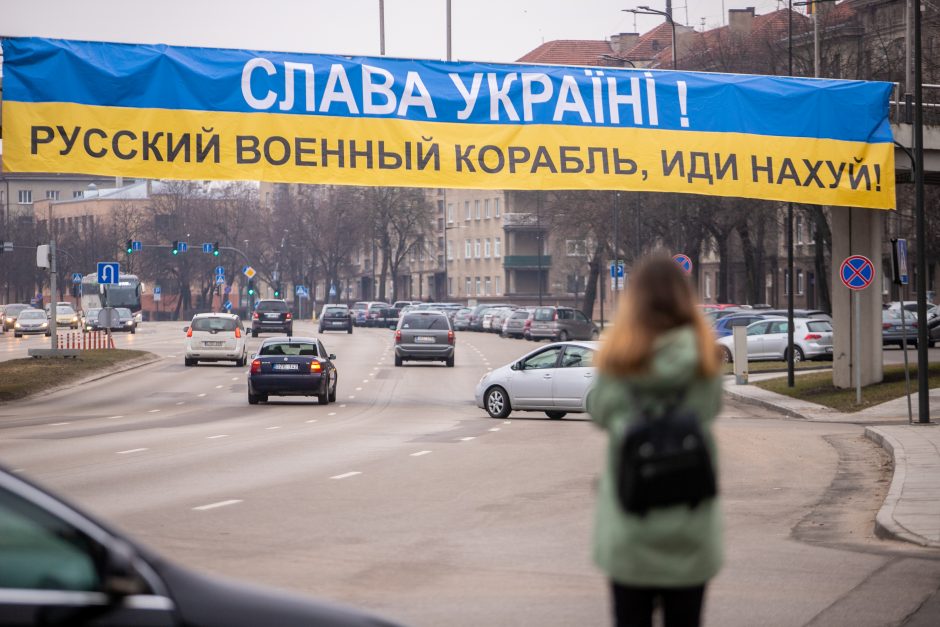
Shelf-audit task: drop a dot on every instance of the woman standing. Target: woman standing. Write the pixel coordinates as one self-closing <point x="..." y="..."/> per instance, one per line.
<point x="659" y="353"/>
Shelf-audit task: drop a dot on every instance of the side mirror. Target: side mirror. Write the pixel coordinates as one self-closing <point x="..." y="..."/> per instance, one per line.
<point x="332" y="357"/>
<point x="119" y="577"/>
<point x="185" y="329"/>
<point x="517" y="366"/>
<point x="253" y="355"/>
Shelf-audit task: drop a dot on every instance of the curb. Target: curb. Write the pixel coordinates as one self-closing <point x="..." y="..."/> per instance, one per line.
<point x="885" y="524"/>
<point x="140" y="362"/>
<point x="759" y="402"/>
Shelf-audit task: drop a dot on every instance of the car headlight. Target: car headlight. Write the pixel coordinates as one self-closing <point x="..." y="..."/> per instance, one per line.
<point x="74" y="318"/>
<point x="44" y="325"/>
<point x="129" y="323"/>
<point x="17" y="325"/>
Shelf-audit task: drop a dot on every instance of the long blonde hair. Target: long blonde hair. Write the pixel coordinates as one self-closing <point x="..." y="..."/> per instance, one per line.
<point x="658" y="298"/>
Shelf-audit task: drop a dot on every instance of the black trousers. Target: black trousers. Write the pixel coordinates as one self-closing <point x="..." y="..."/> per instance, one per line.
<point x="633" y="607"/>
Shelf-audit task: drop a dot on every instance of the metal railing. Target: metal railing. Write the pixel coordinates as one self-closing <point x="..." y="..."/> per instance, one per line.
<point x="899" y="111"/>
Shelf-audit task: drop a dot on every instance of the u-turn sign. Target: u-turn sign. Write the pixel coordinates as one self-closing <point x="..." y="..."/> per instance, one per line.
<point x="109" y="272"/>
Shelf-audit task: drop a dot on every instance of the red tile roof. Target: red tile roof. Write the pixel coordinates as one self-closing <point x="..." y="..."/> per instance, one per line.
<point x="569" y="52"/>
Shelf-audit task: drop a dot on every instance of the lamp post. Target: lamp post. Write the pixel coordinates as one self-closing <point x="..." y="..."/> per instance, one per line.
<point x="791" y="381"/>
<point x="644" y="10"/>
<point x="814" y="3"/>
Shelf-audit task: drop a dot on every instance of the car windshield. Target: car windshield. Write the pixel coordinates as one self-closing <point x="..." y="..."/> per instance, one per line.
<point x="92" y="313"/>
<point x="336" y="311"/>
<point x="64" y="310"/>
<point x="124" y="312"/>
<point x="420" y="322"/>
<point x="819" y="326"/>
<point x="213" y="324"/>
<point x="12" y="310"/>
<point x="271" y="305"/>
<point x="292" y="348"/>
<point x="543" y="314"/>
<point x="30" y="315"/>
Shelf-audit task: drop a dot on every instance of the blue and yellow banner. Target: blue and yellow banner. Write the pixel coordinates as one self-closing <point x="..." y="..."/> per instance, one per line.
<point x="160" y="111"/>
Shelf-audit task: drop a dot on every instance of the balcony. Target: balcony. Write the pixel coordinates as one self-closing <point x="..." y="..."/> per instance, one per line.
<point x="526" y="262"/>
<point x="520" y="221"/>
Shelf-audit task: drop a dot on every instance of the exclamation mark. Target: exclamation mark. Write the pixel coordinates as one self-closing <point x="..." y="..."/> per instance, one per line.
<point x="877" y="177"/>
<point x="683" y="104"/>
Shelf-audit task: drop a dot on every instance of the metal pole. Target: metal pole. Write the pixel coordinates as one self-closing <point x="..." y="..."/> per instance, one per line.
<point x="791" y="382"/>
<point x="52" y="283"/>
<point x="857" y="353"/>
<point x="616" y="248"/>
<point x="907" y="371"/>
<point x="382" y="27"/>
<point x="816" y="62"/>
<point x="449" y="29"/>
<point x="923" y="399"/>
<point x="908" y="44"/>
<point x="538" y="234"/>
<point x="675" y="51"/>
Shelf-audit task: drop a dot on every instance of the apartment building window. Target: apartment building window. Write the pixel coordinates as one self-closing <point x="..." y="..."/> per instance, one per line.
<point x="799" y="229"/>
<point x="476" y="249"/>
<point x="467" y="252"/>
<point x="497" y="248"/>
<point x="52" y="194"/>
<point x="476" y="209"/>
<point x="78" y="193"/>
<point x="450" y="250"/>
<point x="450" y="286"/>
<point x="466" y="286"/>
<point x="496" y="207"/>
<point x="496" y="285"/>
<point x="478" y="292"/>
<point x="486" y="248"/>
<point x="486" y="208"/>
<point x="466" y="206"/>
<point x="786" y="282"/>
<point x="450" y="212"/>
<point x="24" y="196"/>
<point x="575" y="248"/>
<point x="708" y="285"/>
<point x="489" y="286"/>
<point x="799" y="282"/>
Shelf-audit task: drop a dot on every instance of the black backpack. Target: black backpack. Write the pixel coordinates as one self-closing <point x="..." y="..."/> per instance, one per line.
<point x="664" y="460"/>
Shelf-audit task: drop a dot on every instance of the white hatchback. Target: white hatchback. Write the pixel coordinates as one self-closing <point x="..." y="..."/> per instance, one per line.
<point x="216" y="337"/>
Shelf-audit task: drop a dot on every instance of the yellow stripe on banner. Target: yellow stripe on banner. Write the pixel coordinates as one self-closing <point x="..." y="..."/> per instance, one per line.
<point x="159" y="143"/>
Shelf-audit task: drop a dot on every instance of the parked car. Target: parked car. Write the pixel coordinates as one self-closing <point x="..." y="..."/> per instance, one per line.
<point x="359" y="312"/>
<point x="767" y="340"/>
<point x="461" y="319"/>
<point x="401" y="304"/>
<point x="715" y="315"/>
<point x="377" y="314"/>
<point x="799" y="313"/>
<point x="554" y="379"/>
<point x="10" y="313"/>
<point x="215" y="337"/>
<point x="424" y="336"/>
<point x="561" y="324"/>
<point x="31" y="321"/>
<point x="891" y="328"/>
<point x="492" y="318"/>
<point x="475" y="322"/>
<point x="272" y="316"/>
<point x="516" y="324"/>
<point x="724" y="326"/>
<point x="289" y="366"/>
<point x="335" y="318"/>
<point x="63" y="566"/>
<point x="66" y="316"/>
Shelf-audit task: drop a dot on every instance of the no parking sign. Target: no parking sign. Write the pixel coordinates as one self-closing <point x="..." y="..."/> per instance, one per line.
<point x="857" y="272"/>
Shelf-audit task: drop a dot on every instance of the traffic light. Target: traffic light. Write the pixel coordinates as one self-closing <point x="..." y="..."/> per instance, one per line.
<point x="251" y="287"/>
<point x="215" y="249"/>
<point x="129" y="246"/>
<point x="176" y="247"/>
<point x="277" y="291"/>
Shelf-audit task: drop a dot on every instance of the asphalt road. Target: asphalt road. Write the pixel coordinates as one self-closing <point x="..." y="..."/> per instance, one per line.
<point x="406" y="499"/>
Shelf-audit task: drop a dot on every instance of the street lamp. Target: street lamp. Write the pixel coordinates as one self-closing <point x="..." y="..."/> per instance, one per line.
<point x="814" y="3"/>
<point x="643" y="10"/>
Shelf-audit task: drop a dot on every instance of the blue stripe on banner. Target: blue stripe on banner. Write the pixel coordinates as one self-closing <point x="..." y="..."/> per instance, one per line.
<point x="208" y="79"/>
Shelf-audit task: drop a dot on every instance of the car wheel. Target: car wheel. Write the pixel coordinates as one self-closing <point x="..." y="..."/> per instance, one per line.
<point x="189" y="362"/>
<point x="497" y="402"/>
<point x="563" y="336"/>
<point x="17" y="335"/>
<point x="450" y="361"/>
<point x="241" y="361"/>
<point x="134" y="331"/>
<point x="798" y="355"/>
<point x="349" y="330"/>
<point x="253" y="399"/>
<point x="726" y="356"/>
<point x="333" y="392"/>
<point x="398" y="361"/>
<point x="323" y="398"/>
<point x="48" y="333"/>
<point x="254" y="333"/>
<point x="556" y="415"/>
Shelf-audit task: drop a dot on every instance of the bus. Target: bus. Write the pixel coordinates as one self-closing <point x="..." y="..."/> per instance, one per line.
<point x="126" y="293"/>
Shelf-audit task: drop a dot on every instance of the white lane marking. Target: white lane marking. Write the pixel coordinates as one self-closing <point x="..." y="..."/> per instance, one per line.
<point x="181" y="403"/>
<point x="467" y="439"/>
<point x="271" y="428"/>
<point x="113" y="417"/>
<point x="203" y="508"/>
<point x="58" y="424"/>
<point x="495" y="429"/>
<point x="19" y="470"/>
<point x="332" y="413"/>
<point x="351" y="396"/>
<point x="507" y="422"/>
<point x="343" y="405"/>
<point x="216" y="437"/>
<point x="420" y="453"/>
<point x="218" y="387"/>
<point x="346" y="475"/>
<point x="234" y="378"/>
<point x="358" y="390"/>
<point x="153" y="411"/>
<point x="201" y="395"/>
<point x="365" y="380"/>
<point x="314" y="420"/>
<point x="488" y="368"/>
<point x="133" y="450"/>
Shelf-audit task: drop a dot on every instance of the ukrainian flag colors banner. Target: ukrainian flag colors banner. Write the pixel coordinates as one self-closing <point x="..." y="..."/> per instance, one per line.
<point x="159" y="111"/>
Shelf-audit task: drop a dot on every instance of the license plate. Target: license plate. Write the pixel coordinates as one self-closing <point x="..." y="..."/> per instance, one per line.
<point x="286" y="366"/>
<point x="338" y="324"/>
<point x="424" y="339"/>
<point x="270" y="315"/>
<point x="213" y="343"/>
<point x="828" y="349"/>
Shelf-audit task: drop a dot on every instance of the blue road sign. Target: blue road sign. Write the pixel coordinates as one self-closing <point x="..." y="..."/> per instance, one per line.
<point x="227" y="305"/>
<point x="76" y="277"/>
<point x="684" y="261"/>
<point x="219" y="271"/>
<point x="109" y="272"/>
<point x="227" y="290"/>
<point x="332" y="289"/>
<point x="299" y="290"/>
<point x="900" y="262"/>
<point x="220" y="279"/>
<point x="137" y="245"/>
<point x="207" y="247"/>
<point x="616" y="270"/>
<point x="182" y="247"/>
<point x="857" y="272"/>
<point x="157" y="290"/>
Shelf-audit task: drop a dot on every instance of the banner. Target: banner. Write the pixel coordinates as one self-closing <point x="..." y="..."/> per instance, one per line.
<point x="157" y="111"/>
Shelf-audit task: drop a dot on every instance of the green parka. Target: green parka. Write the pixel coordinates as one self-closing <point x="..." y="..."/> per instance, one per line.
<point x="675" y="546"/>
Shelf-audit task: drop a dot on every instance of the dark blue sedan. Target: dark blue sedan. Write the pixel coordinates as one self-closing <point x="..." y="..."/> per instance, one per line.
<point x="292" y="366"/>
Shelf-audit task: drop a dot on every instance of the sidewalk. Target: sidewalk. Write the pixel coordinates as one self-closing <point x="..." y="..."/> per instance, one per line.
<point x="911" y="510"/>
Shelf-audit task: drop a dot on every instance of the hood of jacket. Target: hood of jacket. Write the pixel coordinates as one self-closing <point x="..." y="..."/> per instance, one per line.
<point x="675" y="362"/>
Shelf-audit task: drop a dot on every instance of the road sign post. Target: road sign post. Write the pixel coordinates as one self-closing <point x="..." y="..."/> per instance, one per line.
<point x="857" y="273"/>
<point x="901" y="277"/>
<point x="684" y="261"/>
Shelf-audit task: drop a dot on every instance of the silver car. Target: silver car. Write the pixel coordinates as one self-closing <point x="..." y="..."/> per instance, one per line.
<point x="561" y="324"/>
<point x="554" y="379"/>
<point x="424" y="336"/>
<point x="767" y="340"/>
<point x="31" y="321"/>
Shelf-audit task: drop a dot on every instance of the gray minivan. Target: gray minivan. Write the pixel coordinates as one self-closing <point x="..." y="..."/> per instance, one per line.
<point x="424" y="336"/>
<point x="561" y="324"/>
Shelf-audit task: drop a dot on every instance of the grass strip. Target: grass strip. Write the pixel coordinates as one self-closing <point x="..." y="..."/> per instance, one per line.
<point x="818" y="388"/>
<point x="20" y="378"/>
<point x="779" y="366"/>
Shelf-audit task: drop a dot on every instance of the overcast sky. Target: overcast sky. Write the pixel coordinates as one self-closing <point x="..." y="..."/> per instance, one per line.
<point x="483" y="30"/>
